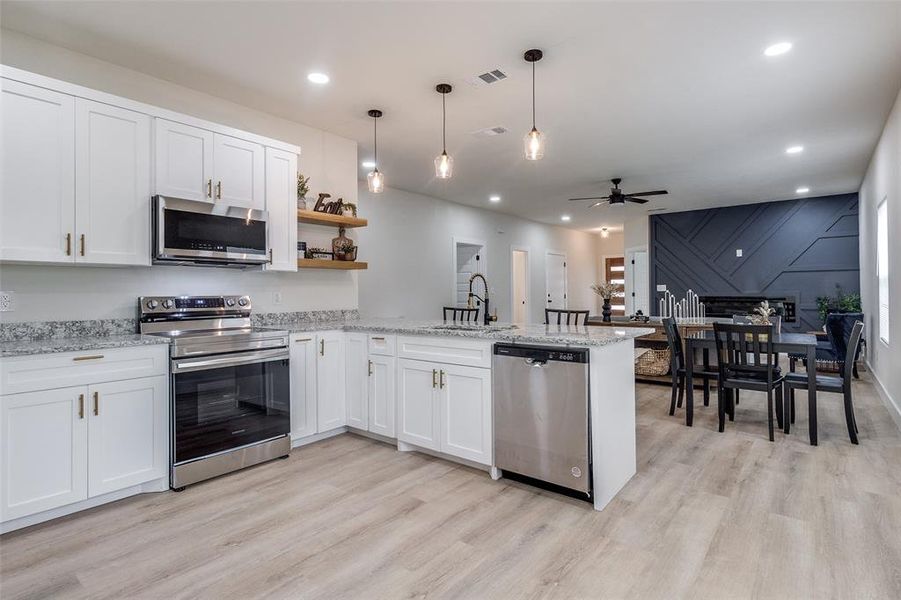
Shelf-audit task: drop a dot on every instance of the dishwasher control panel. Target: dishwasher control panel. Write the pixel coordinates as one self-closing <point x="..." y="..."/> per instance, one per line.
<point x="543" y="353"/>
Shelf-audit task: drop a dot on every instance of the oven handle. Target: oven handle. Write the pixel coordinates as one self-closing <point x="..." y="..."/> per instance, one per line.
<point x="244" y="358"/>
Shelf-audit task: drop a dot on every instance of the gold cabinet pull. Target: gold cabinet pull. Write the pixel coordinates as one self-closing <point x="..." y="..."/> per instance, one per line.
<point x="209" y="188"/>
<point x="321" y="347"/>
<point x="68" y="244"/>
<point x="82" y="244"/>
<point x="270" y="256"/>
<point x="299" y="340"/>
<point x="218" y="190"/>
<point x="91" y="357"/>
<point x="96" y="403"/>
<point x="434" y="375"/>
<point x="441" y="380"/>
<point x="370" y="368"/>
<point x="81" y="406"/>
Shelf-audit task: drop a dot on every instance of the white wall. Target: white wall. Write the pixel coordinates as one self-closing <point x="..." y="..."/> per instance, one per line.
<point x="883" y="180"/>
<point x="636" y="234"/>
<point x="409" y="246"/>
<point x="44" y="292"/>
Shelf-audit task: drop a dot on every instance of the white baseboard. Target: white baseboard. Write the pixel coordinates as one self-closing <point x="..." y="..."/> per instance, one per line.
<point x="311" y="439"/>
<point x="893" y="407"/>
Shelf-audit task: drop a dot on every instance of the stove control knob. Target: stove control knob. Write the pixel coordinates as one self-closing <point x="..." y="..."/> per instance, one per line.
<point x="229" y="301"/>
<point x="243" y="300"/>
<point x="152" y="304"/>
<point x="167" y="303"/>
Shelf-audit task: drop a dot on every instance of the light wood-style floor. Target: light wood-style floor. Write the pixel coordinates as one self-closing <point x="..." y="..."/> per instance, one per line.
<point x="708" y="515"/>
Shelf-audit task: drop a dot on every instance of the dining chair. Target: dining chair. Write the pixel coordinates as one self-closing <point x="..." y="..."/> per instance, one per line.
<point x="462" y="314"/>
<point x="677" y="367"/>
<point x="838" y="335"/>
<point x="746" y="362"/>
<point x="572" y="316"/>
<point x="830" y="383"/>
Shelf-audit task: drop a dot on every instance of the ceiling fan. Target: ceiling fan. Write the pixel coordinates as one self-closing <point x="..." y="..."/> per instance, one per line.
<point x="618" y="197"/>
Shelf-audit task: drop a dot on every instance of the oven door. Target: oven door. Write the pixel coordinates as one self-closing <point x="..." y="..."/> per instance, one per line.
<point x="187" y="231"/>
<point x="223" y="402"/>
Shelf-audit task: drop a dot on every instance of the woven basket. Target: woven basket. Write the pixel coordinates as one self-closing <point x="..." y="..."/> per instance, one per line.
<point x="653" y="362"/>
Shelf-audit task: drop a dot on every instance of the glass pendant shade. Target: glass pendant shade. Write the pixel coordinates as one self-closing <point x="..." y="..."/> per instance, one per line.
<point x="444" y="166"/>
<point x="533" y="144"/>
<point x="375" y="181"/>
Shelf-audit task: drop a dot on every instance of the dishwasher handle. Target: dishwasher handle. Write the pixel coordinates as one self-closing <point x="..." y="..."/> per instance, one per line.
<point x="535" y="363"/>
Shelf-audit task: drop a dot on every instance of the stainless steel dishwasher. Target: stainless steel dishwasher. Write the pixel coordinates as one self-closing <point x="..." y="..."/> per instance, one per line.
<point x="541" y="414"/>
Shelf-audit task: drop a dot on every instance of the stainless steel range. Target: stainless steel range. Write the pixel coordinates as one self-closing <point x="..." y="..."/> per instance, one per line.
<point x="230" y="394"/>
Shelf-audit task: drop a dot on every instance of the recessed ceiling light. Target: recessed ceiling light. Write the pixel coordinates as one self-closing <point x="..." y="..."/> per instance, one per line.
<point x="368" y="164"/>
<point x="564" y="217"/>
<point x="794" y="150"/>
<point x="320" y="78"/>
<point x="777" y="49"/>
<point x="495" y="198"/>
<point x="802" y="190"/>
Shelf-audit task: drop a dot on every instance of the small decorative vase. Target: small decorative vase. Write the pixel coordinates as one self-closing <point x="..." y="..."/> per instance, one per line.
<point x="606" y="311"/>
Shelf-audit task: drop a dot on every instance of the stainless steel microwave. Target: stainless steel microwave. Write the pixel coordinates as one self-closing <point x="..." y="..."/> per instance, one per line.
<point x="188" y="232"/>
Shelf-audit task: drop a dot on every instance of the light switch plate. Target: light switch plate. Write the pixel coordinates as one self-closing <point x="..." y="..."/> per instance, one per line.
<point x="738" y="252"/>
<point x="7" y="302"/>
<point x="276" y="297"/>
<point x="661" y="287"/>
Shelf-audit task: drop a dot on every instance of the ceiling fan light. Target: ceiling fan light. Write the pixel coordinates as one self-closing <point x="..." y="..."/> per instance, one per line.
<point x="375" y="182"/>
<point x="444" y="166"/>
<point x="534" y="144"/>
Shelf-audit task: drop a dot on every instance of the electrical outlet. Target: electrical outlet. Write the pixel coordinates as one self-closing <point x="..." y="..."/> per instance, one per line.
<point x="661" y="287"/>
<point x="7" y="302"/>
<point x="276" y="297"/>
<point x="738" y="252"/>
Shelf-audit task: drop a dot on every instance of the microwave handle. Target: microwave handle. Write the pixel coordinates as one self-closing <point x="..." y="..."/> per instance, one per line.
<point x="245" y="358"/>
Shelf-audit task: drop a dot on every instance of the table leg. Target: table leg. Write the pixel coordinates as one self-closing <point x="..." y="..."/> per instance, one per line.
<point x="689" y="383"/>
<point x="812" y="393"/>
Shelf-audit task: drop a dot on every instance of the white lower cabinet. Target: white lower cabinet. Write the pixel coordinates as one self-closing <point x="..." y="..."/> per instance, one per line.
<point x="445" y="407"/>
<point x="303" y="386"/>
<point x="330" y="381"/>
<point x="382" y="393"/>
<point x="356" y="370"/>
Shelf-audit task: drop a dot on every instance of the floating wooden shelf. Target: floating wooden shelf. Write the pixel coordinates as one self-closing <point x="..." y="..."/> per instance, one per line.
<point x="319" y="218"/>
<point x="319" y="263"/>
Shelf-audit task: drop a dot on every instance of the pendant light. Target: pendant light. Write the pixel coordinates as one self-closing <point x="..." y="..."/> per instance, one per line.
<point x="375" y="181"/>
<point x="534" y="141"/>
<point x="444" y="164"/>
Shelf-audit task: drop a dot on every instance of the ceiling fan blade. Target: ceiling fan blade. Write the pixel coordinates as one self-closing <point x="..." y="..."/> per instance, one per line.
<point x="592" y="198"/>
<point x="654" y="193"/>
<point x="637" y="200"/>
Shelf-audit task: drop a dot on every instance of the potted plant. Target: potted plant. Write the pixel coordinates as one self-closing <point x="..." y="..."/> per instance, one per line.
<point x="345" y="250"/>
<point x="303" y="188"/>
<point x="840" y="303"/>
<point x="606" y="291"/>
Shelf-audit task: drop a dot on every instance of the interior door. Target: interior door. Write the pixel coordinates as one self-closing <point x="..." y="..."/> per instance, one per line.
<point x="112" y="177"/>
<point x="356" y="351"/>
<point x="238" y="172"/>
<point x="281" y="204"/>
<point x="637" y="282"/>
<point x="382" y="373"/>
<point x="465" y="404"/>
<point x="37" y="162"/>
<point x="184" y="161"/>
<point x="331" y="410"/>
<point x="417" y="410"/>
<point x="556" y="280"/>
<point x="127" y="432"/>
<point x="303" y="386"/>
<point x="520" y="271"/>
<point x="43" y="442"/>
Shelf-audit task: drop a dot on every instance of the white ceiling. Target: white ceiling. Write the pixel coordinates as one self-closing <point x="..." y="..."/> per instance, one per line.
<point x="665" y="95"/>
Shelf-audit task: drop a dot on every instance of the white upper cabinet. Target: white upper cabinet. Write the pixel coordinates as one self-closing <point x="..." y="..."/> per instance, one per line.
<point x="238" y="172"/>
<point x="184" y="161"/>
<point x="281" y="203"/>
<point x="356" y="379"/>
<point x="303" y="386"/>
<point x="112" y="179"/>
<point x="330" y="406"/>
<point x="37" y="207"/>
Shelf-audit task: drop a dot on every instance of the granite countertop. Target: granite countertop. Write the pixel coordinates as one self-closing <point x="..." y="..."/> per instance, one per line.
<point x="10" y="349"/>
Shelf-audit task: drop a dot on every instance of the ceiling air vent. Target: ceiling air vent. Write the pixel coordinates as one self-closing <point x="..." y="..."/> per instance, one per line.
<point x="490" y="131"/>
<point x="656" y="209"/>
<point x="487" y="78"/>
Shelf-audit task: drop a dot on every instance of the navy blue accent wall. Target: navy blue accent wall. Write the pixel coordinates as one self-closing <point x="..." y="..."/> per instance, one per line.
<point x="799" y="248"/>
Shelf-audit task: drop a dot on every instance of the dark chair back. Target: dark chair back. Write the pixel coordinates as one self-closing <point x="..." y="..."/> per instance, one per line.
<point x="674" y="341"/>
<point x="572" y="316"/>
<point x="839" y="327"/>
<point x="744" y="351"/>
<point x="853" y="348"/>
<point x="741" y="319"/>
<point x="461" y="314"/>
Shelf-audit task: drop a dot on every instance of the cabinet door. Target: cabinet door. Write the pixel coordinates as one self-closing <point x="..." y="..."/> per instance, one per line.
<point x="417" y="408"/>
<point x="184" y="161"/>
<point x="382" y="373"/>
<point x="330" y="407"/>
<point x="43" y="441"/>
<point x="465" y="400"/>
<point x="303" y="386"/>
<point x="127" y="431"/>
<point x="281" y="204"/>
<point x="37" y="162"/>
<point x="238" y="171"/>
<point x="112" y="177"/>
<point x="356" y="367"/>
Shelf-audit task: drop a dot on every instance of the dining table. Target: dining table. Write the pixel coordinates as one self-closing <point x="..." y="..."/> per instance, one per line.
<point x="782" y="342"/>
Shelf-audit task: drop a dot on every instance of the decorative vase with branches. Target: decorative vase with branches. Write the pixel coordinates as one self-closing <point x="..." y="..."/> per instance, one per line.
<point x="606" y="291"/>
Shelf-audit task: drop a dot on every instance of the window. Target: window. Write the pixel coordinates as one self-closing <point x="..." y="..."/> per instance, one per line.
<point x="615" y="272"/>
<point x="882" y="267"/>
